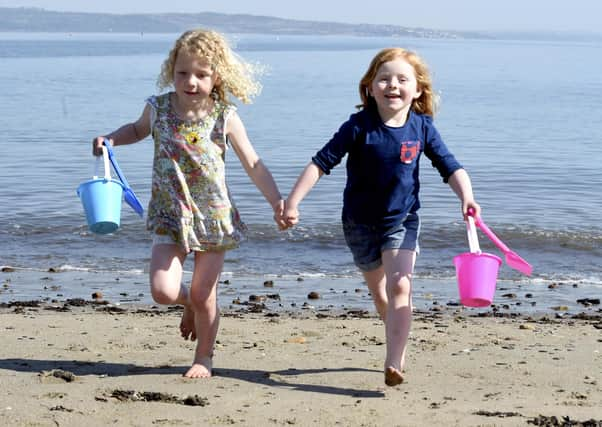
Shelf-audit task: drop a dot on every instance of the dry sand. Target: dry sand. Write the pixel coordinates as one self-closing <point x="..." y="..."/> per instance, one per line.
<point x="99" y="365"/>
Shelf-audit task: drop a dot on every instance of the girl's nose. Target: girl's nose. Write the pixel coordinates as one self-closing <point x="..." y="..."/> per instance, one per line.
<point x="190" y="79"/>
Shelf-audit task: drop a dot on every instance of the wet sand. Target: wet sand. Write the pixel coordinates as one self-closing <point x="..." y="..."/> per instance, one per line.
<point x="77" y="362"/>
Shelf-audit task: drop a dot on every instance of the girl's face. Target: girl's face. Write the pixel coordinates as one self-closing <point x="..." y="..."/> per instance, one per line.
<point x="193" y="78"/>
<point x="394" y="88"/>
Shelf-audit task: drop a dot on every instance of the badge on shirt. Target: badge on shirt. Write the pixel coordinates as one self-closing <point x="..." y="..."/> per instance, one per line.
<point x="409" y="151"/>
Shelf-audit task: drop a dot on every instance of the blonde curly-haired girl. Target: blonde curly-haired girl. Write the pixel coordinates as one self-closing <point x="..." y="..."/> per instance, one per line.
<point x="190" y="209"/>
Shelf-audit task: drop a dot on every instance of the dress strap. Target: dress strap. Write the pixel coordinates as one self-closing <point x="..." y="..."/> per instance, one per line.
<point x="226" y="112"/>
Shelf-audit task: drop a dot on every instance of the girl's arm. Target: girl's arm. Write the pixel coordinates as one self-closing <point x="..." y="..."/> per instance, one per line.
<point x="126" y="134"/>
<point x="257" y="171"/>
<point x="459" y="181"/>
<point x="308" y="178"/>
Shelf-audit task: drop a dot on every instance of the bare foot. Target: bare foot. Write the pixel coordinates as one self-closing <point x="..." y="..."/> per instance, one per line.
<point x="393" y="377"/>
<point x="187" y="329"/>
<point x="201" y="368"/>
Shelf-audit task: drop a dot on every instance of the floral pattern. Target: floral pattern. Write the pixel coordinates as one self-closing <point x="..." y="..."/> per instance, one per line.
<point x="190" y="201"/>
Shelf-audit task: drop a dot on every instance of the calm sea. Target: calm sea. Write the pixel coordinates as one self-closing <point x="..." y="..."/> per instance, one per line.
<point x="522" y="116"/>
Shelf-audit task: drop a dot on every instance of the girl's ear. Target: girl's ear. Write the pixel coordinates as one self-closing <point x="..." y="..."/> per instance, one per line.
<point x="418" y="93"/>
<point x="216" y="78"/>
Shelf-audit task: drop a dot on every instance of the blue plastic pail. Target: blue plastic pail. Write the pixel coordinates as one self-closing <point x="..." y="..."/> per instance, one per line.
<point x="101" y="199"/>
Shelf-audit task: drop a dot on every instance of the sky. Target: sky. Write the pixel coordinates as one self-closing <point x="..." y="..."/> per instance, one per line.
<point x="459" y="15"/>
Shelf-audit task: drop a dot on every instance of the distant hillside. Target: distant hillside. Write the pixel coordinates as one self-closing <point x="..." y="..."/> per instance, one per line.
<point x="41" y="20"/>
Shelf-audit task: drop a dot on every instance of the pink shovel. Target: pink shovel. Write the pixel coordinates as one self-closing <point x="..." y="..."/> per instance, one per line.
<point x="512" y="258"/>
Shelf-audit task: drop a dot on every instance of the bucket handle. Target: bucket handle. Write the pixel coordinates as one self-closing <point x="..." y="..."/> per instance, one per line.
<point x="473" y="239"/>
<point x="107" y="165"/>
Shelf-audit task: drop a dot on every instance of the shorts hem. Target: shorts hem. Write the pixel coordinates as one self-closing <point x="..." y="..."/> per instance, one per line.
<point x="369" y="266"/>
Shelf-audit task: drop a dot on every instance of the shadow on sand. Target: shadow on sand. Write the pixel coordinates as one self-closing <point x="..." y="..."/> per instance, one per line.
<point x="284" y="378"/>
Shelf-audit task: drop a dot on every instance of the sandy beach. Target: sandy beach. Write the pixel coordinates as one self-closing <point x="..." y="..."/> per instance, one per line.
<point x="78" y="362"/>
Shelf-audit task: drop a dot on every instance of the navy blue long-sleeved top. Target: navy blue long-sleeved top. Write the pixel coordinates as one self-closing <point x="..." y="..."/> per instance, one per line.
<point x="383" y="165"/>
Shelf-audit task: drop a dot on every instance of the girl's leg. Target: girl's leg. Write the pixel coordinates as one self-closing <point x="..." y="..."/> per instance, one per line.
<point x="203" y="299"/>
<point x="375" y="279"/>
<point x="399" y="266"/>
<point x="165" y="273"/>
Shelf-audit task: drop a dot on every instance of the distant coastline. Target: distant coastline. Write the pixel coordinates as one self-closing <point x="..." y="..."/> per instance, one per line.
<point x="24" y="19"/>
<point x="41" y="20"/>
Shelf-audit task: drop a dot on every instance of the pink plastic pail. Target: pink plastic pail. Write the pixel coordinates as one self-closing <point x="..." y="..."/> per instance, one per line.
<point x="477" y="275"/>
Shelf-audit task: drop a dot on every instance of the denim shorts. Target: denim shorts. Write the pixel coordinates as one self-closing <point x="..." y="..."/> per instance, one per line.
<point x="367" y="242"/>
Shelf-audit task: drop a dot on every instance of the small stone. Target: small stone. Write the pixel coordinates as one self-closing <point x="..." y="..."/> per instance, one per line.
<point x="313" y="295"/>
<point x="195" y="401"/>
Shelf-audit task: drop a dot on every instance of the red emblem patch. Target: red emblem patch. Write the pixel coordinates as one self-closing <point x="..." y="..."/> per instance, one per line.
<point x="409" y="151"/>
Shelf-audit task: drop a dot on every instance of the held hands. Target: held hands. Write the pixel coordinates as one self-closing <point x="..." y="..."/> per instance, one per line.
<point x="291" y="214"/>
<point x="278" y="208"/>
<point x="285" y="215"/>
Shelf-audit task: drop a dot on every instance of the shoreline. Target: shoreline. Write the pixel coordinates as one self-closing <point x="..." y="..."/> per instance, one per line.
<point x="280" y="294"/>
<point x="100" y="364"/>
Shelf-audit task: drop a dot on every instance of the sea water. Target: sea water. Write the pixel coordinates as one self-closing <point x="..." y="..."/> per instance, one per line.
<point x="521" y="116"/>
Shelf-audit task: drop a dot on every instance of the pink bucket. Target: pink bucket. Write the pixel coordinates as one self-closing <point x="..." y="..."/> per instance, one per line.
<point x="477" y="275"/>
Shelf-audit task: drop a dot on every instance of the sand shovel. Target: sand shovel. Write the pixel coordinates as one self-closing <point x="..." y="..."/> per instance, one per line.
<point x="512" y="258"/>
<point x="128" y="194"/>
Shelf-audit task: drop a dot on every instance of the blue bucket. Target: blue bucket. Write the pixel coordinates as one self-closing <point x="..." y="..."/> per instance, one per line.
<point x="101" y="199"/>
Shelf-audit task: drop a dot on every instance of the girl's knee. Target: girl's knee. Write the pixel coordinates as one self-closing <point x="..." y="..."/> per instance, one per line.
<point x="167" y="290"/>
<point x="163" y="295"/>
<point x="399" y="288"/>
<point x="203" y="298"/>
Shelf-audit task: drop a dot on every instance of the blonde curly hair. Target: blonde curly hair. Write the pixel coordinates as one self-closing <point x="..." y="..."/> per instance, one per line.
<point x="427" y="103"/>
<point x="236" y="76"/>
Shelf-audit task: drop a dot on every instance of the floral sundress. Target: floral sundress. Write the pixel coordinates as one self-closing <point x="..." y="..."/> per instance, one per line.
<point x="190" y="201"/>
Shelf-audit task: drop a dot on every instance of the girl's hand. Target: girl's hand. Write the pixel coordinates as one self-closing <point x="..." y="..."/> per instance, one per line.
<point x="278" y="208"/>
<point x="466" y="205"/>
<point x="97" y="144"/>
<point x="291" y="215"/>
